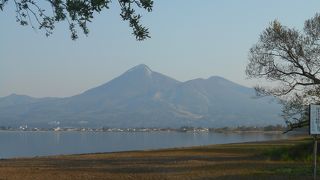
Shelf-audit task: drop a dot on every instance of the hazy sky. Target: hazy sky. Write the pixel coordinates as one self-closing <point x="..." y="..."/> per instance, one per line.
<point x="190" y="39"/>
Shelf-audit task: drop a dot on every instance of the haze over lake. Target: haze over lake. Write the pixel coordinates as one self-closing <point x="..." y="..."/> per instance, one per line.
<point x="30" y="144"/>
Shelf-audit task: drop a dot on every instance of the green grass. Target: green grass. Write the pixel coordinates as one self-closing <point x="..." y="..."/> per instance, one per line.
<point x="302" y="151"/>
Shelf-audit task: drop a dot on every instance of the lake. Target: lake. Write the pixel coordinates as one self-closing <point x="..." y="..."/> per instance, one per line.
<point x="29" y="144"/>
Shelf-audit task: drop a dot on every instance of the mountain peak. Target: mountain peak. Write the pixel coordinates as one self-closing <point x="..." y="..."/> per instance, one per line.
<point x="217" y="78"/>
<point x="14" y="95"/>
<point x="141" y="68"/>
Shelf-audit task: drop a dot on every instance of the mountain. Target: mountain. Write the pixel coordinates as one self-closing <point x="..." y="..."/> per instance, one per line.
<point x="141" y="97"/>
<point x="15" y="99"/>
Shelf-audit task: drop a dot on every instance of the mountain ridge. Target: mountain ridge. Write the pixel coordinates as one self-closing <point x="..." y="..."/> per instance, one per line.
<point x="141" y="97"/>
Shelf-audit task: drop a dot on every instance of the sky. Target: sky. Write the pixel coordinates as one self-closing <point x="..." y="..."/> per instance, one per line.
<point x="189" y="39"/>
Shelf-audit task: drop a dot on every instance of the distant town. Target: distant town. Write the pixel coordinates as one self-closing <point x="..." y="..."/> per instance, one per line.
<point x="269" y="128"/>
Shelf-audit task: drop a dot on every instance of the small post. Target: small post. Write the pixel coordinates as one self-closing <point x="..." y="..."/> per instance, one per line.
<point x="315" y="157"/>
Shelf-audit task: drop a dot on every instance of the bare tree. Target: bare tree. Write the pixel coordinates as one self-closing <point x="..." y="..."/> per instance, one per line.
<point x="77" y="13"/>
<point x="291" y="59"/>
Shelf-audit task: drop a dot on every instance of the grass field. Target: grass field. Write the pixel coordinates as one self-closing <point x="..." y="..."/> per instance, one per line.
<point x="284" y="159"/>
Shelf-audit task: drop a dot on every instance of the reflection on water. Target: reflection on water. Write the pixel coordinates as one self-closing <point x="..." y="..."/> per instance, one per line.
<point x="29" y="144"/>
<point x="57" y="137"/>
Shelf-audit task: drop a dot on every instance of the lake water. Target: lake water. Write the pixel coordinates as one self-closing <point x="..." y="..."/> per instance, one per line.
<point x="30" y="144"/>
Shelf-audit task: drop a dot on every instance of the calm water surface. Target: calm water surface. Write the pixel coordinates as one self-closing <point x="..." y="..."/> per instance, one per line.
<point x="30" y="144"/>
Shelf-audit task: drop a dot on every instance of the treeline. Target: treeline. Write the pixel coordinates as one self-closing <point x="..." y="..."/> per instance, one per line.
<point x="250" y="128"/>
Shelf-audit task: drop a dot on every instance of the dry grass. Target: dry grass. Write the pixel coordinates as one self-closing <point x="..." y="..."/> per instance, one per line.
<point x="232" y="161"/>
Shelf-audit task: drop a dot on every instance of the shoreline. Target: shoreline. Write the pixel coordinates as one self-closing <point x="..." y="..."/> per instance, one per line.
<point x="213" y="131"/>
<point x="293" y="137"/>
<point x="198" y="162"/>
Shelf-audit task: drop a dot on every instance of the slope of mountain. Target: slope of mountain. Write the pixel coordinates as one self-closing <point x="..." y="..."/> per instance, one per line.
<point x="15" y="99"/>
<point x="143" y="98"/>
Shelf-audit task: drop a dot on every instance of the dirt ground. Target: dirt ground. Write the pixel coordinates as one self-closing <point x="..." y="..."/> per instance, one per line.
<point x="231" y="161"/>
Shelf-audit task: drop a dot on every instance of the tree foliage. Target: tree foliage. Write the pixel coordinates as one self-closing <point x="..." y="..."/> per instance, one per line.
<point x="291" y="59"/>
<point x="77" y="13"/>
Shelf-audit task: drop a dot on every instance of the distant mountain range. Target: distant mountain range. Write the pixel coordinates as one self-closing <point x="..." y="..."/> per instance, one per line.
<point x="143" y="98"/>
